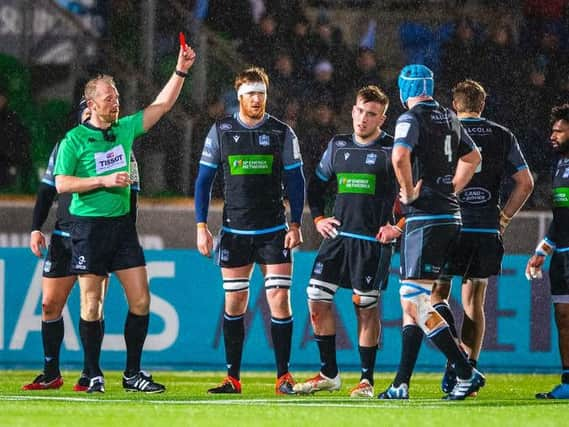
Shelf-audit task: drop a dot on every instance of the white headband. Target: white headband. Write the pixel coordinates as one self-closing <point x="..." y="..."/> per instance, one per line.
<point x="251" y="87"/>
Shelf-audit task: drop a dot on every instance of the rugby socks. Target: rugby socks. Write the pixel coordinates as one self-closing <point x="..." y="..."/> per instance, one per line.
<point x="327" y="348"/>
<point x="446" y="343"/>
<point x="444" y="310"/>
<point x="91" y="333"/>
<point x="473" y="363"/>
<point x="135" y="331"/>
<point x="411" y="339"/>
<point x="52" y="332"/>
<point x="565" y="375"/>
<point x="367" y="360"/>
<point x="233" y="336"/>
<point x="85" y="369"/>
<point x="281" y="333"/>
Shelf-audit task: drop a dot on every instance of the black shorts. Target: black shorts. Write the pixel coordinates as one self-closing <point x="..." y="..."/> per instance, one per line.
<point x="103" y="245"/>
<point x="57" y="262"/>
<point x="236" y="250"/>
<point x="559" y="275"/>
<point x="426" y="244"/>
<point x="353" y="263"/>
<point x="477" y="255"/>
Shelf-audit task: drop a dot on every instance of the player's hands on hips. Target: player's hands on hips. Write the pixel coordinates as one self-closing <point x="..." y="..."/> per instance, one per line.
<point x="186" y="58"/>
<point x="204" y="241"/>
<point x="293" y="237"/>
<point x="533" y="267"/>
<point x="409" y="197"/>
<point x="388" y="233"/>
<point x="327" y="227"/>
<point x="117" y="179"/>
<point x="37" y="242"/>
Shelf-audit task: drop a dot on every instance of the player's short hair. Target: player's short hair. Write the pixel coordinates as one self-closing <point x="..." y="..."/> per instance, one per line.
<point x="251" y="75"/>
<point x="91" y="86"/>
<point x="373" y="93"/>
<point x="560" y="112"/>
<point x="469" y="96"/>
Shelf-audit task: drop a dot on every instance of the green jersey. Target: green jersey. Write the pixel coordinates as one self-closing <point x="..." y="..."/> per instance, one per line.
<point x="87" y="151"/>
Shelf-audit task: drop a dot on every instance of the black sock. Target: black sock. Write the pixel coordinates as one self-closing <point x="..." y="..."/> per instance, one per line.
<point x="565" y="375"/>
<point x="446" y="343"/>
<point x="281" y="332"/>
<point x="233" y="335"/>
<point x="411" y="339"/>
<point x="367" y="360"/>
<point x="135" y="331"/>
<point x="444" y="310"/>
<point x="85" y="370"/>
<point x="52" y="332"/>
<point x="473" y="363"/>
<point x="327" y="348"/>
<point x="91" y="333"/>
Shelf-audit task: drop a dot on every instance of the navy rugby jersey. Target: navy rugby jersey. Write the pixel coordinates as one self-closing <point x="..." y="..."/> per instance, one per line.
<point x="253" y="161"/>
<point x="501" y="156"/>
<point x="437" y="140"/>
<point x="558" y="232"/>
<point x="366" y="185"/>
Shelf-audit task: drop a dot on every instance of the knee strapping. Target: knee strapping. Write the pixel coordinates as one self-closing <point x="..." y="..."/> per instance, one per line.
<point x="365" y="299"/>
<point x="236" y="284"/>
<point x="318" y="290"/>
<point x="274" y="281"/>
<point x="427" y="319"/>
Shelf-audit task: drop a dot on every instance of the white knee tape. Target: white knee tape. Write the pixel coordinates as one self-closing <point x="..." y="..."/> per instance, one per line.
<point x="274" y="281"/>
<point x="236" y="285"/>
<point x="427" y="319"/>
<point x="318" y="290"/>
<point x="365" y="299"/>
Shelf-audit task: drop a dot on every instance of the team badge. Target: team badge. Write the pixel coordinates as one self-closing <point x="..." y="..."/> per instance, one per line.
<point x="341" y="143"/>
<point x="264" y="140"/>
<point x="236" y="138"/>
<point x="346" y="156"/>
<point x="371" y="158"/>
<point x="285" y="253"/>
<point x="368" y="279"/>
<point x="225" y="126"/>
<point x="318" y="268"/>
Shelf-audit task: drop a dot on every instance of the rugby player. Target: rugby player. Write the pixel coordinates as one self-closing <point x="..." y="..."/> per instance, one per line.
<point x="350" y="256"/>
<point x="260" y="162"/>
<point x="92" y="163"/>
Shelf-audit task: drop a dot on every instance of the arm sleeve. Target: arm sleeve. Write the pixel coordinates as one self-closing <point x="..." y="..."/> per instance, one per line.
<point x="294" y="186"/>
<point x="202" y="195"/>
<point x="319" y="182"/>
<point x="407" y="131"/>
<point x="291" y="151"/>
<point x="466" y="144"/>
<point x="44" y="200"/>
<point x="211" y="153"/>
<point x="66" y="161"/>
<point x="515" y="160"/>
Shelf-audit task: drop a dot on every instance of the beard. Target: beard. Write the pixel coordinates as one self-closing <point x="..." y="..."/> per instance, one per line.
<point x="562" y="148"/>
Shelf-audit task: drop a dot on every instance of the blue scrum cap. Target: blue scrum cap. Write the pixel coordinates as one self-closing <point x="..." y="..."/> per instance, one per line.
<point x="415" y="80"/>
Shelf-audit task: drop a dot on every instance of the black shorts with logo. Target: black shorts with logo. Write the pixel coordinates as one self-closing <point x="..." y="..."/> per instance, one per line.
<point x="559" y="272"/>
<point x="426" y="245"/>
<point x="103" y="245"/>
<point x="477" y="255"/>
<point x="236" y="250"/>
<point x="353" y="263"/>
<point x="57" y="262"/>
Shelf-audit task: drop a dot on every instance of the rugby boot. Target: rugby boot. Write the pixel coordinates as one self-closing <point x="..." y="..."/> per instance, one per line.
<point x="285" y="384"/>
<point x="363" y="389"/>
<point x="82" y="383"/>
<point x="449" y="379"/>
<point x="41" y="382"/>
<point x="320" y="382"/>
<point x="395" y="393"/>
<point x="229" y="385"/>
<point x="142" y="382"/>
<point x="560" y="391"/>
<point x="467" y="387"/>
<point x="96" y="385"/>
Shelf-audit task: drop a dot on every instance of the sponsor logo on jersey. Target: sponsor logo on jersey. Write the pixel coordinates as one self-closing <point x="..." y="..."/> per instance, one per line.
<point x="439" y="117"/>
<point x="225" y="126"/>
<point x="561" y="197"/>
<point x="80" y="265"/>
<point x="447" y="179"/>
<point x="208" y="142"/>
<point x="318" y="267"/>
<point x="341" y="143"/>
<point x="285" y="253"/>
<point x="356" y="183"/>
<point x="110" y="160"/>
<point x="479" y="130"/>
<point x="475" y="195"/>
<point x="236" y="138"/>
<point x="371" y="158"/>
<point x="251" y="164"/>
<point x="264" y="140"/>
<point x="402" y="129"/>
<point x="224" y="255"/>
<point x="295" y="148"/>
<point x="47" y="266"/>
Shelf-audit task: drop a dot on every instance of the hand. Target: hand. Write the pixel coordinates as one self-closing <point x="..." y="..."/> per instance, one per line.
<point x="293" y="237"/>
<point x="533" y="267"/>
<point x="408" y="198"/>
<point x="327" y="227"/>
<point x="117" y="179"/>
<point x="388" y="233"/>
<point x="37" y="243"/>
<point x="204" y="241"/>
<point x="186" y="58"/>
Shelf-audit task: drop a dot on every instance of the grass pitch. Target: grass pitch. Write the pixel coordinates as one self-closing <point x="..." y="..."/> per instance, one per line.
<point x="507" y="400"/>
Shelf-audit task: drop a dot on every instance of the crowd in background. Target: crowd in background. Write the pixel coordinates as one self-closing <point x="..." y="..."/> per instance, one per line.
<point x="520" y="55"/>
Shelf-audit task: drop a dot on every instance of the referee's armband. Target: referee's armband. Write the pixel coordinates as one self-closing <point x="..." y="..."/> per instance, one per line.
<point x="545" y="248"/>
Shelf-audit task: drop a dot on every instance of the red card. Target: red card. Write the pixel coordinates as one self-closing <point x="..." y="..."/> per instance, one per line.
<point x="182" y="40"/>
